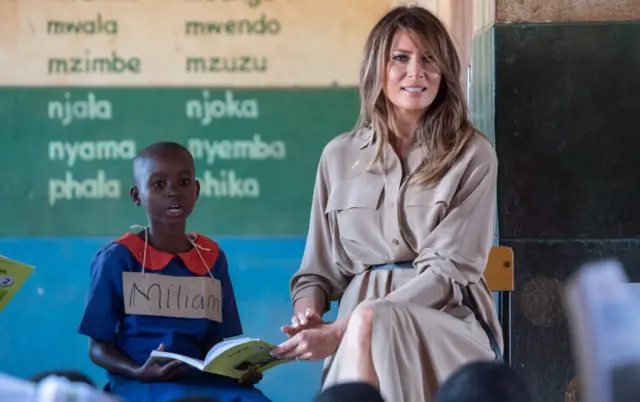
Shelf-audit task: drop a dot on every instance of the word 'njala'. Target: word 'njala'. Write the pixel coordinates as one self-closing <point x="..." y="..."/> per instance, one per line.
<point x="208" y="109"/>
<point x="90" y="108"/>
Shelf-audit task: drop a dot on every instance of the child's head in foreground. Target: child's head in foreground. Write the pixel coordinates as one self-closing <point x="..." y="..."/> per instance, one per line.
<point x="484" y="382"/>
<point x="71" y="375"/>
<point x="165" y="183"/>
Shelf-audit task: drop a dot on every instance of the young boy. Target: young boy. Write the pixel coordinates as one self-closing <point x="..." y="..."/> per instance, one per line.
<point x="121" y="338"/>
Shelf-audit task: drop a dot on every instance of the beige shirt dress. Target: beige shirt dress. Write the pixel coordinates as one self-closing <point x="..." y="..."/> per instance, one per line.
<point x="361" y="217"/>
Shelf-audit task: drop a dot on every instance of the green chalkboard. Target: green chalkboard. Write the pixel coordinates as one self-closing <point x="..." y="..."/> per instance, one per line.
<point x="66" y="160"/>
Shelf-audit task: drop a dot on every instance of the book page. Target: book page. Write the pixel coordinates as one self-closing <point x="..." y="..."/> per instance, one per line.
<point x="160" y="355"/>
<point x="220" y="347"/>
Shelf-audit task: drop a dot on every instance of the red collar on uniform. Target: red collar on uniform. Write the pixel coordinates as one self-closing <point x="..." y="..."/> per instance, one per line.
<point x="157" y="260"/>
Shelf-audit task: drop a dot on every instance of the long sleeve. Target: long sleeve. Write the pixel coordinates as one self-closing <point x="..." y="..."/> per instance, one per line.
<point x="319" y="275"/>
<point x="456" y="251"/>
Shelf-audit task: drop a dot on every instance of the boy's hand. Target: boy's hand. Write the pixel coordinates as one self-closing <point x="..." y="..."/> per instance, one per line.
<point x="250" y="378"/>
<point x="153" y="371"/>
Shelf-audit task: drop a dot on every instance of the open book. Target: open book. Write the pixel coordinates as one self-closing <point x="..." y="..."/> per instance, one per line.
<point x="13" y="274"/>
<point x="232" y="358"/>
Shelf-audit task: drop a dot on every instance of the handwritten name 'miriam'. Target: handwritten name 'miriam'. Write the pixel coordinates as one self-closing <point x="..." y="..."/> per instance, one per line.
<point x="172" y="297"/>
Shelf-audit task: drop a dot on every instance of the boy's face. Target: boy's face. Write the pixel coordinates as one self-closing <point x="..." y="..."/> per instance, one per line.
<point x="166" y="186"/>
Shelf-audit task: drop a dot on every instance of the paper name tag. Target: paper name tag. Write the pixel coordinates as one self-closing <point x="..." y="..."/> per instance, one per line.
<point x="172" y="296"/>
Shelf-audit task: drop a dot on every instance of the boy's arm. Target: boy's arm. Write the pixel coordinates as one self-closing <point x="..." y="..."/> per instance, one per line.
<point x="106" y="355"/>
<point x="104" y="310"/>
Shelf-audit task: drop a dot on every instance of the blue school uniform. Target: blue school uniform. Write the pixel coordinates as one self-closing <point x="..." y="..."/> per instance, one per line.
<point x="104" y="319"/>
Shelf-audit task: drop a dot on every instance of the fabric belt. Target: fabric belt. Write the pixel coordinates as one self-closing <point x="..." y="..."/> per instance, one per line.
<point x="467" y="301"/>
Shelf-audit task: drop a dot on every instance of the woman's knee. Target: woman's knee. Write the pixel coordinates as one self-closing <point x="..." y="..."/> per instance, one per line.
<point x="361" y="322"/>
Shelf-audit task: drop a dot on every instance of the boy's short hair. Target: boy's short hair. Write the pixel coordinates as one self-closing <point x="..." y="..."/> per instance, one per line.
<point x="484" y="382"/>
<point x="73" y="376"/>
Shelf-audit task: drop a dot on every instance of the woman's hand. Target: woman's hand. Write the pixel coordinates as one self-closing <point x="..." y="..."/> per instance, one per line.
<point x="304" y="320"/>
<point x="316" y="343"/>
<point x="151" y="370"/>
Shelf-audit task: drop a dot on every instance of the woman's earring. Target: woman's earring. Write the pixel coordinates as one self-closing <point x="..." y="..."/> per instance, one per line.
<point x="138" y="203"/>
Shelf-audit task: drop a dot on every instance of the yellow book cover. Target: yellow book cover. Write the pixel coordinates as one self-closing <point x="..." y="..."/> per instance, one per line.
<point x="13" y="274"/>
<point x="232" y="358"/>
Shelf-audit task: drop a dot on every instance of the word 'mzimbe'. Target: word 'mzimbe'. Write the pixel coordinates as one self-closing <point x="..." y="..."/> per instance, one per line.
<point x="173" y="297"/>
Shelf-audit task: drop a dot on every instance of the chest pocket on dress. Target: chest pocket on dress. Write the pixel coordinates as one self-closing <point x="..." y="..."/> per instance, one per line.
<point x="428" y="205"/>
<point x="355" y="204"/>
<point x="419" y="196"/>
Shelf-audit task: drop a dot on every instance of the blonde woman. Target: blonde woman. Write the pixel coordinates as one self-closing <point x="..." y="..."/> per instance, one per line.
<point x="402" y="222"/>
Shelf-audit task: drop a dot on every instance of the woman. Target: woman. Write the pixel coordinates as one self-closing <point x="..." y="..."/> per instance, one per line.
<point x="401" y="225"/>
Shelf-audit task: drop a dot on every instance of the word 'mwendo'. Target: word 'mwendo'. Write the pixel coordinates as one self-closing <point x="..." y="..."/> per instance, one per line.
<point x="207" y="109"/>
<point x="89" y="108"/>
<point x="250" y="3"/>
<point x="242" y="26"/>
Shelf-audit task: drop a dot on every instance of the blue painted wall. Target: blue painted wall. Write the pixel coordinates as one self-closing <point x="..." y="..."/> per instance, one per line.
<point x="38" y="330"/>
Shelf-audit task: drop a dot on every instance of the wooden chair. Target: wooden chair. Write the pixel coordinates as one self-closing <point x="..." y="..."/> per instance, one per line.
<point x="499" y="277"/>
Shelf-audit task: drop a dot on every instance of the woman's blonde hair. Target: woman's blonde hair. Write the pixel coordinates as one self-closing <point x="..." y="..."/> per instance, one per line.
<point x="445" y="128"/>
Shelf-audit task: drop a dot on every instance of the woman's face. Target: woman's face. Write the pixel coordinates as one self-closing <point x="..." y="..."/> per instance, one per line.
<point x="413" y="79"/>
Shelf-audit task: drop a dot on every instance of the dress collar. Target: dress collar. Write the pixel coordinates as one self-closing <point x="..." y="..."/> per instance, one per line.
<point x="157" y="260"/>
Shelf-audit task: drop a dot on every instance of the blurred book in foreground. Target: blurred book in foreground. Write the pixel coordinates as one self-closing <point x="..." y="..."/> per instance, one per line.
<point x="13" y="274"/>
<point x="604" y="321"/>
